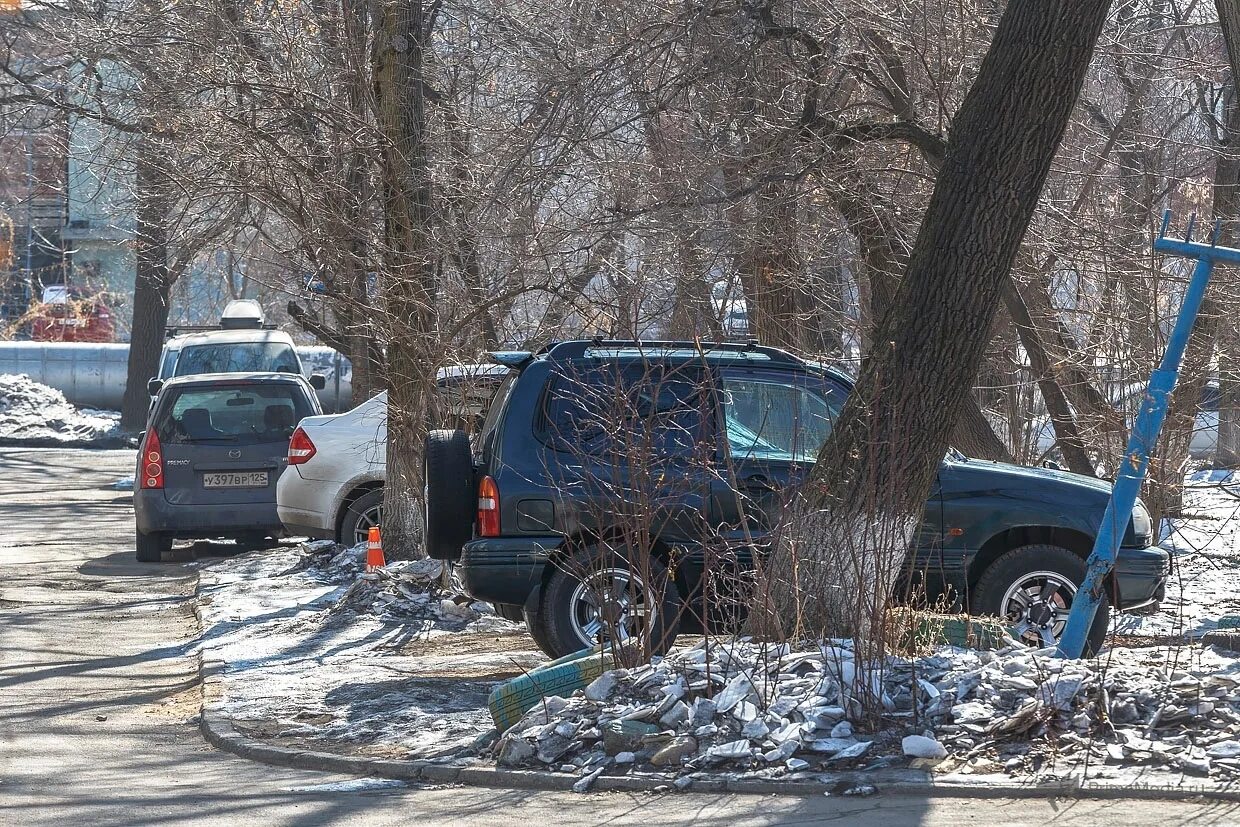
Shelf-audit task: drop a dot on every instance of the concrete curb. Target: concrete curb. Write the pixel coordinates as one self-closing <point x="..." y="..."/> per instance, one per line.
<point x="219" y="731"/>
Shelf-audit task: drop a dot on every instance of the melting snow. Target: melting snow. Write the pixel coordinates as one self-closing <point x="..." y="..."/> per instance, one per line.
<point x="35" y="415"/>
<point x="1203" y="592"/>
<point x="316" y="654"/>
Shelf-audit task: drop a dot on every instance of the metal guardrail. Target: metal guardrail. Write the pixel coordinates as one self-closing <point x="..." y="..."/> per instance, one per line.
<point x="93" y="375"/>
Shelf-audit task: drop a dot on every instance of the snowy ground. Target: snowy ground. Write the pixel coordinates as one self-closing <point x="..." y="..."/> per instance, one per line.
<point x="1203" y="593"/>
<point x="34" y="415"/>
<point x="317" y="658"/>
<point x="398" y="668"/>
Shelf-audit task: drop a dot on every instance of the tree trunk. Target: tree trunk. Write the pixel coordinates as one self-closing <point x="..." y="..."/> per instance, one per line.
<point x="1228" y="451"/>
<point x="152" y="287"/>
<point x="771" y="271"/>
<point x="409" y="273"/>
<point x="842" y="546"/>
<point x="883" y="261"/>
<point x="1067" y="434"/>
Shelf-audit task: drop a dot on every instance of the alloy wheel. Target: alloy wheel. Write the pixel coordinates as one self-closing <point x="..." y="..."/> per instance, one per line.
<point x="1037" y="605"/>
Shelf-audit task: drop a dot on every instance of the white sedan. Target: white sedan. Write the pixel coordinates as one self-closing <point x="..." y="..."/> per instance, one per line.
<point x="333" y="487"/>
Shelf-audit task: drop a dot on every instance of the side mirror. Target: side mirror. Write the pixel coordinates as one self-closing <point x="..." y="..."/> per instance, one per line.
<point x="1052" y="465"/>
<point x="153" y="386"/>
<point x="318" y="381"/>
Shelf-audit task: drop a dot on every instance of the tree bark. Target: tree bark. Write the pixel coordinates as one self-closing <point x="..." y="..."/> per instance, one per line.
<point x="842" y="546"/>
<point x="152" y="286"/>
<point x="1228" y="451"/>
<point x="409" y="284"/>
<point x="1067" y="434"/>
<point x="883" y="261"/>
<point x="772" y="272"/>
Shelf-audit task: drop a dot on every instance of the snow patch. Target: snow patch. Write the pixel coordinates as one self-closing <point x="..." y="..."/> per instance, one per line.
<point x="357" y="785"/>
<point x="316" y="655"/>
<point x="34" y="415"/>
<point x="1202" y="594"/>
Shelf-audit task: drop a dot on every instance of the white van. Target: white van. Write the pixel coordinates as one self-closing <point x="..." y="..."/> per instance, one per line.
<point x="242" y="343"/>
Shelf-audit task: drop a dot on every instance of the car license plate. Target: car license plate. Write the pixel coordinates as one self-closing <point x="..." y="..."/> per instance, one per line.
<point x="235" y="479"/>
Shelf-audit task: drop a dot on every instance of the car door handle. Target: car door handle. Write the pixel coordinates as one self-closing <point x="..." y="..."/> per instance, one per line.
<point x="759" y="482"/>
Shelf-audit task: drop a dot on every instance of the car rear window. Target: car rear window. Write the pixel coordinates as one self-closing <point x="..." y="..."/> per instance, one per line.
<point x="622" y="408"/>
<point x="238" y="357"/>
<point x="242" y="414"/>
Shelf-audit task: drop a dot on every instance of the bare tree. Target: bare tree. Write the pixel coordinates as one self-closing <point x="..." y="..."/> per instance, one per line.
<point x="872" y="477"/>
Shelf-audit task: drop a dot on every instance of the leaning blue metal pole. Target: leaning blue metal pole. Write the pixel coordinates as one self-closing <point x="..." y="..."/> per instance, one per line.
<point x="1144" y="436"/>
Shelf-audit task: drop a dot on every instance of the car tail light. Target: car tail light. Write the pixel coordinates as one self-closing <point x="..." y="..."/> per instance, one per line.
<point x="488" y="508"/>
<point x="300" y="448"/>
<point x="152" y="465"/>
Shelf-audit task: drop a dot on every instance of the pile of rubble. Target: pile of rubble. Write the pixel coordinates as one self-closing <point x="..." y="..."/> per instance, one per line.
<point x="766" y="711"/>
<point x="34" y="415"/>
<point x="404" y="591"/>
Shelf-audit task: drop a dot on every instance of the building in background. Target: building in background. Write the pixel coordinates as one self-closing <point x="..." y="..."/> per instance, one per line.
<point x="33" y="207"/>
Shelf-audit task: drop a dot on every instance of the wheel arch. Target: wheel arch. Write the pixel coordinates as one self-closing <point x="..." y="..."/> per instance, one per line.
<point x="355" y="493"/>
<point x="1078" y="542"/>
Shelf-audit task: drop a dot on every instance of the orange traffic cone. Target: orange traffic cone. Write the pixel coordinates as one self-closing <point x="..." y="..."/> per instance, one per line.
<point x="374" y="550"/>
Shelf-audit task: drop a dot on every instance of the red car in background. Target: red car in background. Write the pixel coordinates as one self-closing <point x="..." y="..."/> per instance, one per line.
<point x="71" y="313"/>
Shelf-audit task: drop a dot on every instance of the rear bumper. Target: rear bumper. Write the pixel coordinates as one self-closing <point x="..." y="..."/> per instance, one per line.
<point x="154" y="514"/>
<point x="299" y="504"/>
<point x="301" y="523"/>
<point x="505" y="569"/>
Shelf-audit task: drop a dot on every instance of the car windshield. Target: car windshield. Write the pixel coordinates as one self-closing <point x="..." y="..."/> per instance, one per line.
<point x="237" y="357"/>
<point x="240" y="414"/>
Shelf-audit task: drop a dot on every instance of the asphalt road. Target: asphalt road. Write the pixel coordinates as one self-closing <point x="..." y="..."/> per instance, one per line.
<point x="98" y="698"/>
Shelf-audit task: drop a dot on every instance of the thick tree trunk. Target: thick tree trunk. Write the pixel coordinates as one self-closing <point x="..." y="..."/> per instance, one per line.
<point x="883" y="261"/>
<point x="409" y="273"/>
<point x="152" y="288"/>
<point x="841" y="550"/>
<point x="771" y="270"/>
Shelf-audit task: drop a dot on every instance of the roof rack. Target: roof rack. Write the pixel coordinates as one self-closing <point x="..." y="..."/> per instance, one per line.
<point x="180" y="329"/>
<point x="578" y="348"/>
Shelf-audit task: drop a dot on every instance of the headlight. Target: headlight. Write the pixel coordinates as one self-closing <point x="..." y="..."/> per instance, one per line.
<point x="1141" y="526"/>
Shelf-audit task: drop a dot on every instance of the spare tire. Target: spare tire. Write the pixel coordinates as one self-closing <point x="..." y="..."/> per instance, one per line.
<point x="450" y="499"/>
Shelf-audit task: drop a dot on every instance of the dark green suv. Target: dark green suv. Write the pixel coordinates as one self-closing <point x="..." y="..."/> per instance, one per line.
<point x="613" y="481"/>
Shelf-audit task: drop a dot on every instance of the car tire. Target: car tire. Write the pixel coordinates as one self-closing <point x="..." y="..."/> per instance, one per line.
<point x="150" y="548"/>
<point x="538" y="629"/>
<point x="562" y="625"/>
<point x="365" y="511"/>
<point x="1011" y="580"/>
<point x="449" y="500"/>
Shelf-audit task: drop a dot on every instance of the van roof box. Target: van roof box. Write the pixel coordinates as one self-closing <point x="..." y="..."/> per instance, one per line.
<point x="242" y="314"/>
<point x="239" y="314"/>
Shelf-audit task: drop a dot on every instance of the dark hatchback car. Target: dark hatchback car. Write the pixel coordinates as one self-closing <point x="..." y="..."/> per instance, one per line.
<point x="214" y="447"/>
<point x="540" y="514"/>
